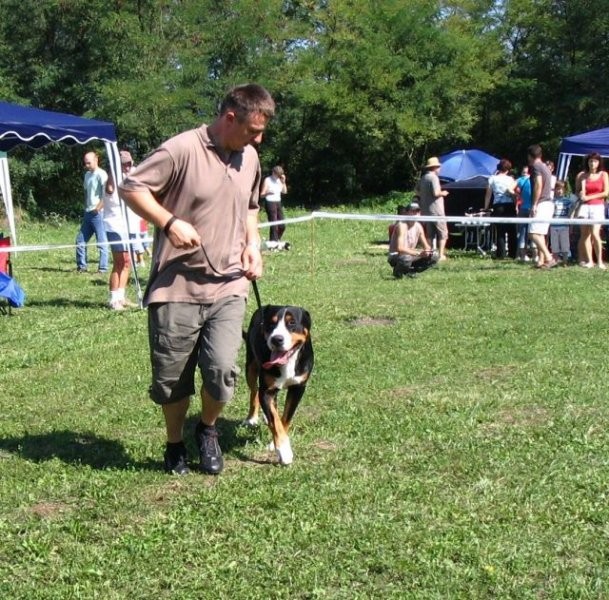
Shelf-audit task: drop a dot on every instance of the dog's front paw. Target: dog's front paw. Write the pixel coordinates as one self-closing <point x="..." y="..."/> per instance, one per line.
<point x="284" y="452"/>
<point x="251" y="422"/>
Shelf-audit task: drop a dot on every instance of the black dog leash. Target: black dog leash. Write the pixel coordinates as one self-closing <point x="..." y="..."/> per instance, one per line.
<point x="254" y="283"/>
<point x="256" y="293"/>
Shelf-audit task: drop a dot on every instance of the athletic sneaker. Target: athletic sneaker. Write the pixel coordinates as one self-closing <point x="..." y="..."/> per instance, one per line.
<point x="175" y="459"/>
<point x="210" y="455"/>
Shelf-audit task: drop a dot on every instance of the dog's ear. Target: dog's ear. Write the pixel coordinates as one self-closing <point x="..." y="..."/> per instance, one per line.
<point x="306" y="319"/>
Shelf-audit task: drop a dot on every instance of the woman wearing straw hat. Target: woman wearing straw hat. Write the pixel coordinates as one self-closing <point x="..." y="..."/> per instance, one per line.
<point x="432" y="204"/>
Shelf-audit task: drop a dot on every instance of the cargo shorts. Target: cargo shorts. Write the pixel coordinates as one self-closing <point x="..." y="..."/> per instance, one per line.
<point x="184" y="335"/>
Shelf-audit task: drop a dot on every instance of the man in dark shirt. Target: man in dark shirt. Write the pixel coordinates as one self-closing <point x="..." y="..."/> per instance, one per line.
<point x="542" y="205"/>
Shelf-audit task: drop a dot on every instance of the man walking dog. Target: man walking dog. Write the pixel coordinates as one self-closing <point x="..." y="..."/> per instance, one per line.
<point x="200" y="189"/>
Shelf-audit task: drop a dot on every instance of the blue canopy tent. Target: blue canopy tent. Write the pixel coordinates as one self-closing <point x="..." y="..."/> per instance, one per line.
<point x="37" y="128"/>
<point x="580" y="145"/>
<point x="461" y="165"/>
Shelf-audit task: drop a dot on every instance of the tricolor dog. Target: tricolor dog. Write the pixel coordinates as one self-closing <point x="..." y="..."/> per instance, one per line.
<point x="279" y="356"/>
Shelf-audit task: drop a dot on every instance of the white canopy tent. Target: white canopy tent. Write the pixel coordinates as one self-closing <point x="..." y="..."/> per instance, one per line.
<point x="37" y="128"/>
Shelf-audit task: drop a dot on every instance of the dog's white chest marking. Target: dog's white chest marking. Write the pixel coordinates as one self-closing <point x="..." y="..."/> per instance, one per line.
<point x="288" y="375"/>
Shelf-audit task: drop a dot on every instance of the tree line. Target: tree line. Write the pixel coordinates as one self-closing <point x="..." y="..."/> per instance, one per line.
<point x="365" y="89"/>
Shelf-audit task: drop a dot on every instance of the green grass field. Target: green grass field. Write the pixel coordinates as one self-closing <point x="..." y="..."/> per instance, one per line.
<point x="452" y="442"/>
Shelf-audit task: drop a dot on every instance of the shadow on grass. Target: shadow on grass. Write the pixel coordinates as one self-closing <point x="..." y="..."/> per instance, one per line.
<point x="72" y="447"/>
<point x="86" y="448"/>
<point x="51" y="269"/>
<point x="64" y="303"/>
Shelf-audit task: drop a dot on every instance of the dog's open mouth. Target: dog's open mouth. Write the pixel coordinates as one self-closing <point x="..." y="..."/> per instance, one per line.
<point x="280" y="357"/>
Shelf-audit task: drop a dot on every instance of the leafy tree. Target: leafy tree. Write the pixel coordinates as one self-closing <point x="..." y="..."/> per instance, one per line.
<point x="555" y="52"/>
<point x="365" y="89"/>
<point x="376" y="85"/>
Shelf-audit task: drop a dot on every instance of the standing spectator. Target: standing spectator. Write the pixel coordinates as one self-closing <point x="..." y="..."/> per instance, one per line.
<point x="542" y="206"/>
<point x="432" y="204"/>
<point x="133" y="220"/>
<point x="502" y="189"/>
<point x="592" y="188"/>
<point x="145" y="244"/>
<point x="92" y="221"/>
<point x="272" y="188"/>
<point x="200" y="189"/>
<point x="116" y="232"/>
<point x="559" y="234"/>
<point x="523" y="204"/>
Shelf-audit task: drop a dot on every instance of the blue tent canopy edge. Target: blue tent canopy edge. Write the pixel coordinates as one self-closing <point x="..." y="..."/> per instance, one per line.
<point x="581" y="144"/>
<point x="36" y="128"/>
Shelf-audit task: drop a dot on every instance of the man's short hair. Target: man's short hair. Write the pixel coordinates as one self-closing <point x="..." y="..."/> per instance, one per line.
<point x="534" y="151"/>
<point x="248" y="99"/>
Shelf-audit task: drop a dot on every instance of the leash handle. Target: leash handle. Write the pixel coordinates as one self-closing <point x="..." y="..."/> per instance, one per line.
<point x="237" y="274"/>
<point x="256" y="293"/>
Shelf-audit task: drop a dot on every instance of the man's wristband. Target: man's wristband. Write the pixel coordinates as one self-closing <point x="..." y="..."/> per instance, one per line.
<point x="169" y="223"/>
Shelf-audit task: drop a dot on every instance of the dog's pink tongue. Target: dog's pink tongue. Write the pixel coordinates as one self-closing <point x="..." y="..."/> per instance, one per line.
<point x="277" y="358"/>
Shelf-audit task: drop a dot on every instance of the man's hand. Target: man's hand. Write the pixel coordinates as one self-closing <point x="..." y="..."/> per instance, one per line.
<point x="183" y="235"/>
<point x="252" y="262"/>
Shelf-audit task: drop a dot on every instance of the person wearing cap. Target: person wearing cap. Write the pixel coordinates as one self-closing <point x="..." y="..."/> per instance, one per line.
<point x="116" y="221"/>
<point x="116" y="232"/>
<point x="407" y="235"/>
<point x="432" y="204"/>
<point x="134" y="221"/>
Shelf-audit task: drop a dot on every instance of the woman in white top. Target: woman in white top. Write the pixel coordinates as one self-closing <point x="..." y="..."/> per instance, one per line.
<point x="115" y="225"/>
<point x="502" y="188"/>
<point x="272" y="188"/>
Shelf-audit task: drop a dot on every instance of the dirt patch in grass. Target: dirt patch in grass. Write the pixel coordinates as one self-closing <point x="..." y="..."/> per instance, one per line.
<point x="370" y="321"/>
<point x="49" y="510"/>
<point x="521" y="417"/>
<point x="325" y="445"/>
<point x="403" y="392"/>
<point x="352" y="261"/>
<point x="495" y="373"/>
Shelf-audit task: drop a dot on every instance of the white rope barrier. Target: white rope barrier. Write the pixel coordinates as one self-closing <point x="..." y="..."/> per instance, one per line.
<point x="46" y="247"/>
<point x="465" y="220"/>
